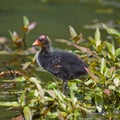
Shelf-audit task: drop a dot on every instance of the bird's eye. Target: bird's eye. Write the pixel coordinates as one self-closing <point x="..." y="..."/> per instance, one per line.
<point x="42" y="38"/>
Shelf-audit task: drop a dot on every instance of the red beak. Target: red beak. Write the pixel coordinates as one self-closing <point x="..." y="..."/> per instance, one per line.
<point x="36" y="43"/>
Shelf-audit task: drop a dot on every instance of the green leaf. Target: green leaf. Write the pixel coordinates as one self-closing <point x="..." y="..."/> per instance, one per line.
<point x="59" y="95"/>
<point x="22" y="98"/>
<point x="89" y="82"/>
<point x="116" y="82"/>
<point x="12" y="104"/>
<point x="111" y="50"/>
<point x="99" y="108"/>
<point x="52" y="85"/>
<point x="73" y="98"/>
<point x="72" y="32"/>
<point x="102" y="66"/>
<point x="11" y="34"/>
<point x="25" y="21"/>
<point x="17" y="80"/>
<point x="27" y="113"/>
<point x="73" y="87"/>
<point x="26" y="65"/>
<point x="20" y="79"/>
<point x="38" y="86"/>
<point x="117" y="52"/>
<point x="111" y="31"/>
<point x="92" y="41"/>
<point x="101" y="47"/>
<point x="97" y="37"/>
<point x="60" y="99"/>
<point x="98" y="97"/>
<point x="14" y="35"/>
<point x="111" y="87"/>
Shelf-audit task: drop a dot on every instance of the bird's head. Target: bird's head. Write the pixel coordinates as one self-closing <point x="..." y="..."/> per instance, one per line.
<point x="41" y="41"/>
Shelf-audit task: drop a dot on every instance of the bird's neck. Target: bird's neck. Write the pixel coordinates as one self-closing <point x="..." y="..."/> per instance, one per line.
<point x="45" y="49"/>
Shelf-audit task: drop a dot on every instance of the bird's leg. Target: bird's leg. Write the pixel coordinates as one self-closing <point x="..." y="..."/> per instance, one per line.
<point x="64" y="87"/>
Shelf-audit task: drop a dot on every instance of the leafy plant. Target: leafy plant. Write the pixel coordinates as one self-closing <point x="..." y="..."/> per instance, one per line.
<point x="19" y="41"/>
<point x="98" y="92"/>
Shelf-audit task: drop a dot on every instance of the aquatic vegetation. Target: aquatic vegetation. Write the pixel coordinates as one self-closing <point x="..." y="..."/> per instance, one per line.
<point x="19" y="41"/>
<point x="94" y="95"/>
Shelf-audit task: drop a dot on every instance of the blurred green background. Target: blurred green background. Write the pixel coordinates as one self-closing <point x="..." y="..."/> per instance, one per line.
<point x="54" y="16"/>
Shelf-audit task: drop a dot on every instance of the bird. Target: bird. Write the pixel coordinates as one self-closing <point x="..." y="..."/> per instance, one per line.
<point x="62" y="64"/>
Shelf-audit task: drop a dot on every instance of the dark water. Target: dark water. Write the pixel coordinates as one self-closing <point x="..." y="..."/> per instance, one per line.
<point x="54" y="17"/>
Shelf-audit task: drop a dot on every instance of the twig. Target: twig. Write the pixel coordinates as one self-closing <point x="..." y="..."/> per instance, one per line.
<point x="24" y="41"/>
<point x="12" y="72"/>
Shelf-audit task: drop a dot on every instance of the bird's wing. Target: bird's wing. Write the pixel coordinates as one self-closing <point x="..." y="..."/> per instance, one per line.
<point x="54" y="65"/>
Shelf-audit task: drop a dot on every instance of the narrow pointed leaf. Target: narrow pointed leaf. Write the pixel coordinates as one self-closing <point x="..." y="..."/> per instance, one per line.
<point x="11" y="34"/>
<point x="22" y="98"/>
<point x="25" y="21"/>
<point x="72" y="32"/>
<point x="102" y="66"/>
<point x="111" y="49"/>
<point x="97" y="37"/>
<point x="73" y="98"/>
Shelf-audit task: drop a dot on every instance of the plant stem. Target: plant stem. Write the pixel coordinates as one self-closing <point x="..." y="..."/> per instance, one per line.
<point x="24" y="41"/>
